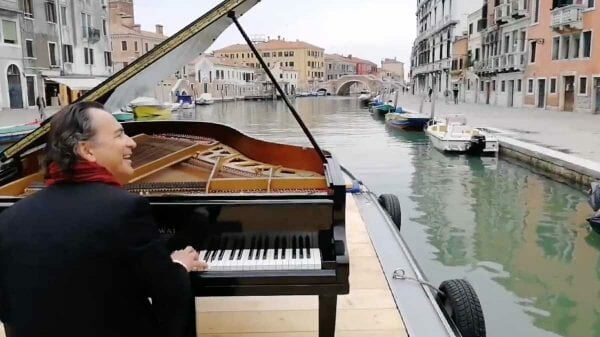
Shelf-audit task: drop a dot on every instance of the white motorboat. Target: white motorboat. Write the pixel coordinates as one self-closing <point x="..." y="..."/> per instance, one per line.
<point x="205" y="99"/>
<point x="452" y="134"/>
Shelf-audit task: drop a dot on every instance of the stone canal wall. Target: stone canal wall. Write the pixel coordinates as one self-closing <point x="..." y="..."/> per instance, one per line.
<point x="554" y="164"/>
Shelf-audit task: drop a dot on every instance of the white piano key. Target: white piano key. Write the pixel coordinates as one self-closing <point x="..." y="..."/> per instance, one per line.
<point x="244" y="261"/>
<point x="270" y="263"/>
<point x="316" y="254"/>
<point x="225" y="264"/>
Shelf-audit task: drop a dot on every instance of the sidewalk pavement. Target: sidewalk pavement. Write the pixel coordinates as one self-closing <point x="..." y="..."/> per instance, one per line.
<point x="22" y="116"/>
<point x="574" y="133"/>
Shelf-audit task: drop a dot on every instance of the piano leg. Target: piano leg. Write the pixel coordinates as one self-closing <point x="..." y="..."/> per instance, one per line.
<point x="327" y="313"/>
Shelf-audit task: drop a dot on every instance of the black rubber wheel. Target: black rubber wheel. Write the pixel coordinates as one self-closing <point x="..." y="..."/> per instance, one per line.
<point x="391" y="204"/>
<point x="462" y="305"/>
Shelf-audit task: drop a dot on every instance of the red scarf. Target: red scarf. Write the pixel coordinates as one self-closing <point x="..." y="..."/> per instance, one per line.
<point x="84" y="172"/>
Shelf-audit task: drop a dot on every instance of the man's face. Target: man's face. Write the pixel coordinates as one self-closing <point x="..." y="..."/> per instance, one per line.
<point x="110" y="147"/>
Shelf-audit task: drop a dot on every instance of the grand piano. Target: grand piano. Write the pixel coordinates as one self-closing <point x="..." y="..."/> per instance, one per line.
<point x="267" y="217"/>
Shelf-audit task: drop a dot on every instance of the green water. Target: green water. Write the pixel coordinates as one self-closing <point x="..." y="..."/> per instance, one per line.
<point x="521" y="239"/>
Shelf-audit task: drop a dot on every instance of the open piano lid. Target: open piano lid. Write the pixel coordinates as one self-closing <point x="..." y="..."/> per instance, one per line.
<point x="142" y="75"/>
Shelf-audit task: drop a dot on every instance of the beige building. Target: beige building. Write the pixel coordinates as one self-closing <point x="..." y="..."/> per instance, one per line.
<point x="337" y="66"/>
<point x="306" y="59"/>
<point x="392" y="68"/>
<point x="128" y="40"/>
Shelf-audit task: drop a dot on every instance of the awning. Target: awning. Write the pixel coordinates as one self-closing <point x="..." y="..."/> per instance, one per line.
<point x="76" y="83"/>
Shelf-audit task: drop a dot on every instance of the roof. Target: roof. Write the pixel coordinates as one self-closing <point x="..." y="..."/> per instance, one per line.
<point x="269" y="45"/>
<point x="121" y="29"/>
<point x="223" y="61"/>
<point x="349" y="58"/>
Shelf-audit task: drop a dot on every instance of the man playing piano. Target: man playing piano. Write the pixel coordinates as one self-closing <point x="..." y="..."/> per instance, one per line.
<point x="83" y="257"/>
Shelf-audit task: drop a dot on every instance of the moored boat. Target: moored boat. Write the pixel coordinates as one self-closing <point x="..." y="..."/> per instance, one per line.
<point x="148" y="108"/>
<point x="452" y="134"/>
<point x="407" y="120"/>
<point x="205" y="99"/>
<point x="12" y="133"/>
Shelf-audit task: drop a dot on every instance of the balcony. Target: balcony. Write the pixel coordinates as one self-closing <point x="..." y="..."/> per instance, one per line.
<point x="514" y="61"/>
<point x="519" y="8"/>
<point x="568" y="18"/>
<point x="502" y="13"/>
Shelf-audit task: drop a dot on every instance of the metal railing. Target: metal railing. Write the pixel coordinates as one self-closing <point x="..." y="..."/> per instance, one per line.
<point x="519" y="8"/>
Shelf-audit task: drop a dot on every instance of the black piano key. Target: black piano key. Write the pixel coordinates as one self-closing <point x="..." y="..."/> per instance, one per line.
<point x="259" y="244"/>
<point x="294" y="247"/>
<point x="301" y="247"/>
<point x="234" y="249"/>
<point x="242" y="245"/>
<point x="308" y="247"/>
<point x="283" y="248"/>
<point x="266" y="248"/>
<point x="276" y="255"/>
<point x="252" y="245"/>
<point x="223" y="248"/>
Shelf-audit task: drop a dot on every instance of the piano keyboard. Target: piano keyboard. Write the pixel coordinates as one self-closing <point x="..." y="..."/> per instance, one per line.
<point x="262" y="252"/>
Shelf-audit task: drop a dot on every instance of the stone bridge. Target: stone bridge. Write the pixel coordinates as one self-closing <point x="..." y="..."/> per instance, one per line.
<point x="341" y="86"/>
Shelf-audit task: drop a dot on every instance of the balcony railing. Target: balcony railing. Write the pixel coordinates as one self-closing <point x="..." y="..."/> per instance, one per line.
<point x="503" y="12"/>
<point x="568" y="17"/>
<point x="519" y="8"/>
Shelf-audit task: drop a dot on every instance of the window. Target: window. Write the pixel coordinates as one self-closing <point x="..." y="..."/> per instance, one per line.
<point x="50" y="11"/>
<point x="30" y="90"/>
<point x="519" y="85"/>
<point x="503" y="86"/>
<point x="9" y="32"/>
<point x="583" y="86"/>
<point x="481" y="86"/>
<point x="67" y="53"/>
<point x="146" y="46"/>
<point x="494" y="85"/>
<point x="532" y="52"/>
<point x="590" y="4"/>
<point x="587" y="43"/>
<point x="86" y="56"/>
<point x="52" y="54"/>
<point x="565" y="45"/>
<point x="575" y="44"/>
<point x="470" y="28"/>
<point x="84" y="29"/>
<point x="536" y="13"/>
<point x="555" y="45"/>
<point x="530" y="86"/>
<point x="124" y="45"/>
<point x="553" y="86"/>
<point x="104" y="29"/>
<point x="63" y="15"/>
<point x="28" y="8"/>
<point x="135" y="45"/>
<point x="29" y="48"/>
<point x="291" y="64"/>
<point x="280" y="54"/>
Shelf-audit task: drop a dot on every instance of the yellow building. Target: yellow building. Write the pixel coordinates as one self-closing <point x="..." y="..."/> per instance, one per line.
<point x="308" y="60"/>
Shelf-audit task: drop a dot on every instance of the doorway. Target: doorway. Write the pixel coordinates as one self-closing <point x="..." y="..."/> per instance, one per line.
<point x="487" y="92"/>
<point x="596" y="95"/>
<point x="51" y="92"/>
<point x="15" y="91"/>
<point x="541" y="93"/>
<point x="30" y="90"/>
<point x="511" y="93"/>
<point x="569" y="93"/>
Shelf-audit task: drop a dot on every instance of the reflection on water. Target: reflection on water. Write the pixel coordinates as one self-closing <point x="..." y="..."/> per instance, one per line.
<point x="521" y="239"/>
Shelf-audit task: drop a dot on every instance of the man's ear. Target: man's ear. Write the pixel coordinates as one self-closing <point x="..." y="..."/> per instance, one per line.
<point x="85" y="151"/>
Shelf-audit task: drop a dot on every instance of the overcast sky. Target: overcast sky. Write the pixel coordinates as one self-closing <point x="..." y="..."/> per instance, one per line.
<point x="370" y="29"/>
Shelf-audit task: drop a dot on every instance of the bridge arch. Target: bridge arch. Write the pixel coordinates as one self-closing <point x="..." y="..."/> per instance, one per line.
<point x="344" y="88"/>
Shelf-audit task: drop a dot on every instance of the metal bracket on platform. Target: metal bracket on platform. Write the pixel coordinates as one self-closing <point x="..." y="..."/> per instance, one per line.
<point x="400" y="274"/>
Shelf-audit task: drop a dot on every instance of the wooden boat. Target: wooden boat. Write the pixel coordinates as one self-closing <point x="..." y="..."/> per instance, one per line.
<point x="382" y="108"/>
<point x="12" y="133"/>
<point x="452" y="134"/>
<point x="219" y="190"/>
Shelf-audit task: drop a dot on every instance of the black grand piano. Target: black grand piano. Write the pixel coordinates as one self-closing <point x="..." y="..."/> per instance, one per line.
<point x="268" y="218"/>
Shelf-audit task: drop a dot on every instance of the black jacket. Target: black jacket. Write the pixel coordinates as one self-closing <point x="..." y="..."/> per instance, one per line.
<point x="82" y="260"/>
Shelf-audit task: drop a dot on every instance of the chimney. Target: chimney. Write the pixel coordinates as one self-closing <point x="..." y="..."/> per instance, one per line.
<point x="137" y="27"/>
<point x="278" y="37"/>
<point x="159" y="29"/>
<point x="350" y="56"/>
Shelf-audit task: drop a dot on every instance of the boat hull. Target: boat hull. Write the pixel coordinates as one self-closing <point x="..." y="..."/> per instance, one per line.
<point x="409" y="123"/>
<point x="152" y="112"/>
<point x="462" y="145"/>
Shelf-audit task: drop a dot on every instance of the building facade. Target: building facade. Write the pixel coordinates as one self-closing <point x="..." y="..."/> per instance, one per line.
<point x="222" y="77"/>
<point x="439" y="22"/>
<point x="129" y="41"/>
<point x="304" y="58"/>
<point x="562" y="73"/>
<point x="476" y="23"/>
<point x="393" y="69"/>
<point x="364" y="67"/>
<point x="337" y="66"/>
<point x="15" y="87"/>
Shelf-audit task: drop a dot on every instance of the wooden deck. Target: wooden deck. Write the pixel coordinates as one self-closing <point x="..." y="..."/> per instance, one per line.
<point x="369" y="309"/>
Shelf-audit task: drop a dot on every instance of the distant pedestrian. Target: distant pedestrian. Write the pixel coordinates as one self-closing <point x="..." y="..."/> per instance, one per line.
<point x="430" y="93"/>
<point x="455" y="92"/>
<point x="41" y="104"/>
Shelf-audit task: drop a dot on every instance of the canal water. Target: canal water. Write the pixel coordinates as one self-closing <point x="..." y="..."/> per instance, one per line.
<point x="521" y="239"/>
